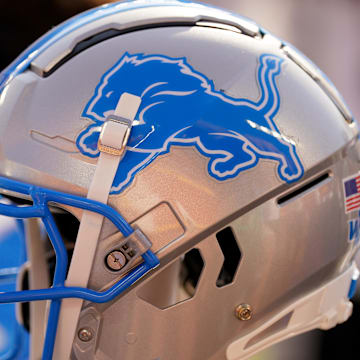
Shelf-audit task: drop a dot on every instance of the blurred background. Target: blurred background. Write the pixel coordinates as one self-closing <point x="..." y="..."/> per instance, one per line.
<point x="325" y="30"/>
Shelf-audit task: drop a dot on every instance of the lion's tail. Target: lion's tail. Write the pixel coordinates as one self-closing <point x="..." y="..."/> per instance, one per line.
<point x="270" y="67"/>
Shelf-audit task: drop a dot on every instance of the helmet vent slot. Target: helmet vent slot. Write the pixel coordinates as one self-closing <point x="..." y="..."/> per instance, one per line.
<point x="310" y="186"/>
<point x="232" y="256"/>
<point x="100" y="37"/>
<point x="176" y="283"/>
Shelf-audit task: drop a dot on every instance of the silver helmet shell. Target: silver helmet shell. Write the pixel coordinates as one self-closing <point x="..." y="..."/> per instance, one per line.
<point x="236" y="130"/>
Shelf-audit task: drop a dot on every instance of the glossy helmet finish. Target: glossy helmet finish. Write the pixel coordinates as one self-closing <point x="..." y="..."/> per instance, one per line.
<point x="236" y="169"/>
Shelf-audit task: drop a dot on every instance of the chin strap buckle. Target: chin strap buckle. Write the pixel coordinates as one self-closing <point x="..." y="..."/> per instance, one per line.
<point x="116" y="129"/>
<point x="114" y="135"/>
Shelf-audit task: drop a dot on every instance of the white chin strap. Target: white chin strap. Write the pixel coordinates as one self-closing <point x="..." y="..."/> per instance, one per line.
<point x="112" y="144"/>
<point x="322" y="309"/>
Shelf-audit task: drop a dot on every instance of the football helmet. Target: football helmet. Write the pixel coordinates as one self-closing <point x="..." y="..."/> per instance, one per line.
<point x="200" y="174"/>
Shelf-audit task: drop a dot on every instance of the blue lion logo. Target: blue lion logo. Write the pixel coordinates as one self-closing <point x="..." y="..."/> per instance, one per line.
<point x="180" y="106"/>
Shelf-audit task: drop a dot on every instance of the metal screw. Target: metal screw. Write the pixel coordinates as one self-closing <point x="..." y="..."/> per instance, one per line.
<point x="243" y="312"/>
<point x="115" y="260"/>
<point x="85" y="334"/>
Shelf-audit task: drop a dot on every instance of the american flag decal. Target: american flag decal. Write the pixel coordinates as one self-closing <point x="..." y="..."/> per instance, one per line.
<point x="352" y="193"/>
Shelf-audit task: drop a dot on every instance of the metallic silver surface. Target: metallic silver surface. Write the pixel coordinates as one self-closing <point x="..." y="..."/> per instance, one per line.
<point x="287" y="249"/>
<point x="320" y="78"/>
<point x="285" y="262"/>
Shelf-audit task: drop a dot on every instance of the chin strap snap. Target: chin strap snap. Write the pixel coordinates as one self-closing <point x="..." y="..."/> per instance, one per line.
<point x="112" y="145"/>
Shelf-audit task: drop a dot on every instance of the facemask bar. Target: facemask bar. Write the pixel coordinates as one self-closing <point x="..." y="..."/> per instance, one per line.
<point x="40" y="209"/>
